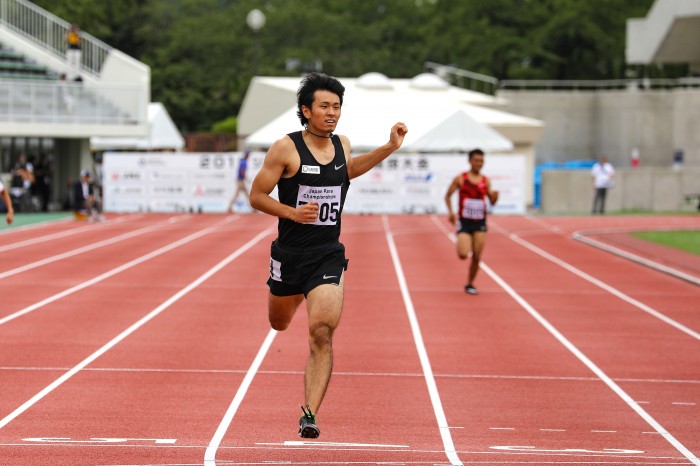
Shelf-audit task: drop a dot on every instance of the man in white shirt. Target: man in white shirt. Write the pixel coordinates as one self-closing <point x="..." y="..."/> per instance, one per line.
<point x="603" y="179"/>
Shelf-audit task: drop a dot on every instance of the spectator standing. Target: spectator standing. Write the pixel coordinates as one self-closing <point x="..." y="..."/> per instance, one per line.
<point x="42" y="183"/>
<point x="22" y="181"/>
<point x="73" y="52"/>
<point x="603" y="175"/>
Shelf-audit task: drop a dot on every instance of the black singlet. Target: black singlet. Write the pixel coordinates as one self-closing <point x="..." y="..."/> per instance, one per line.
<point x="326" y="184"/>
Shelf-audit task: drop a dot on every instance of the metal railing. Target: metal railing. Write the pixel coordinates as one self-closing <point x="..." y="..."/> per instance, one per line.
<point x="23" y="101"/>
<point x="597" y="85"/>
<point x="49" y="31"/>
<point x="489" y="84"/>
<point x="463" y="78"/>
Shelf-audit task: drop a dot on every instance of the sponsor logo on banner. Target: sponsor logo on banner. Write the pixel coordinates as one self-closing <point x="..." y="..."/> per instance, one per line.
<point x="126" y="175"/>
<point x="157" y="175"/>
<point x="213" y="175"/>
<point x="418" y="177"/>
<point x="208" y="191"/>
<point x="152" y="161"/>
<point x="369" y="190"/>
<point x="167" y="189"/>
<point x="418" y="190"/>
<point x="126" y="190"/>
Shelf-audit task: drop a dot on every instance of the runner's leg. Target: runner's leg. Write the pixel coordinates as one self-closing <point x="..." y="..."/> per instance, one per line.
<point x="324" y="306"/>
<point x="479" y="241"/>
<point x="281" y="310"/>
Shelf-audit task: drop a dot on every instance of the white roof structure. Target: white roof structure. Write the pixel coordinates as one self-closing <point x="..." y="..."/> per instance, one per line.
<point x="440" y="117"/>
<point x="670" y="33"/>
<point x="163" y="134"/>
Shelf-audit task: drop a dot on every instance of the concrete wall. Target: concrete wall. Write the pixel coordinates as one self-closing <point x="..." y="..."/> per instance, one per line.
<point x="583" y="124"/>
<point x="654" y="189"/>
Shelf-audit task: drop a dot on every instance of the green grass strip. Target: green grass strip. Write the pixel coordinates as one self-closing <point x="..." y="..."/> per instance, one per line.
<point x="22" y="219"/>
<point x="685" y="240"/>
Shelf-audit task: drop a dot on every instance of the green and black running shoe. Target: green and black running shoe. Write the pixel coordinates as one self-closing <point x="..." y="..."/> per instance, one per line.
<point x="307" y="424"/>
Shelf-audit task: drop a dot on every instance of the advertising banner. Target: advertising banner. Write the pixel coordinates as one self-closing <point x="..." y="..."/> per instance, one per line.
<point x="206" y="182"/>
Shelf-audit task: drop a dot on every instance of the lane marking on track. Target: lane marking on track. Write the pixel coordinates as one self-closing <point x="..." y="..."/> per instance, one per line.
<point x="302" y="443"/>
<point x="87" y="248"/>
<point x="110" y="273"/>
<point x="443" y="426"/>
<point x="168" y="441"/>
<point x="140" y="323"/>
<point x="580" y="356"/>
<point x="599" y="283"/>
<point x="60" y="234"/>
<point x="210" y="452"/>
<point x="531" y="449"/>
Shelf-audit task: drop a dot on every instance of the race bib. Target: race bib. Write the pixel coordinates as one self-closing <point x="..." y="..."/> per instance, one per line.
<point x="328" y="199"/>
<point x="473" y="209"/>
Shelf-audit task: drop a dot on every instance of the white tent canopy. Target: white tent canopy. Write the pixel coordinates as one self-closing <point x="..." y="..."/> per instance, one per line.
<point x="460" y="133"/>
<point x="433" y="126"/>
<point x="163" y="134"/>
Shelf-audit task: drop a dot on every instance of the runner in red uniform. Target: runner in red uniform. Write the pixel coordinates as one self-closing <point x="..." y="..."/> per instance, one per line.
<point x="474" y="188"/>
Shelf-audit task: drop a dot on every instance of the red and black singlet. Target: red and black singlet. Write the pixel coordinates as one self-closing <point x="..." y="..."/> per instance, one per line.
<point x="472" y="198"/>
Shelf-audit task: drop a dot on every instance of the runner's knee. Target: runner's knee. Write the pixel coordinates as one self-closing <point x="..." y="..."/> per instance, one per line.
<point x="320" y="335"/>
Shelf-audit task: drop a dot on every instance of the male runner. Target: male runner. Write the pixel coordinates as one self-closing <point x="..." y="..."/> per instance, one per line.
<point x="312" y="170"/>
<point x="471" y="229"/>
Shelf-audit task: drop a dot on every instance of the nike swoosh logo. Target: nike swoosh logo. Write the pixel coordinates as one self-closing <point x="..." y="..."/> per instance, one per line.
<point x="339" y="167"/>
<point x="326" y="277"/>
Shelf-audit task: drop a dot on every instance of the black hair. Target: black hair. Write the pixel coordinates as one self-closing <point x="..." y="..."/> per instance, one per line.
<point x="311" y="83"/>
<point x="474" y="152"/>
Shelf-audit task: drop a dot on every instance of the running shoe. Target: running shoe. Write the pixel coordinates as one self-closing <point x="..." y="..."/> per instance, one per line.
<point x="307" y="424"/>
<point x="470" y="289"/>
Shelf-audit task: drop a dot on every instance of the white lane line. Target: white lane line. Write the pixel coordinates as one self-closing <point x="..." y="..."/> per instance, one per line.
<point x="60" y="234"/>
<point x="87" y="248"/>
<point x="108" y="274"/>
<point x="210" y="452"/>
<point x="605" y="286"/>
<point x="140" y="323"/>
<point x="443" y="426"/>
<point x="583" y="358"/>
<point x="581" y="236"/>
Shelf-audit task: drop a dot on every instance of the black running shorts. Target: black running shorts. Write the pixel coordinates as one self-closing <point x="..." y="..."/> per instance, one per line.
<point x="468" y="226"/>
<point x="294" y="271"/>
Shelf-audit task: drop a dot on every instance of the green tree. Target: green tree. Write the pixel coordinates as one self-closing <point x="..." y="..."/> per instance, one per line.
<point x="201" y="51"/>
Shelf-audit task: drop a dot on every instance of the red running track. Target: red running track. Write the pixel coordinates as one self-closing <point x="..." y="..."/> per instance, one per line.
<point x="144" y="340"/>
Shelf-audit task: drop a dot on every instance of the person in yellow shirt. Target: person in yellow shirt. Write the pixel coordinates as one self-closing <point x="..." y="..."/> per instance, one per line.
<point x="73" y="52"/>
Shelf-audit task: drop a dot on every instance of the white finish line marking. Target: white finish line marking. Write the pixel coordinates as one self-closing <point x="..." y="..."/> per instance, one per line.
<point x="99" y="440"/>
<point x="618" y="451"/>
<point x="301" y="443"/>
